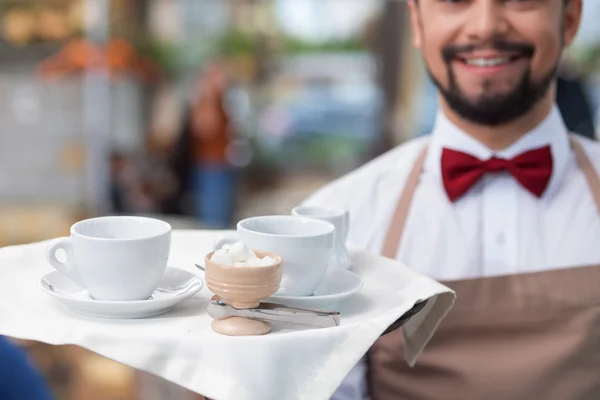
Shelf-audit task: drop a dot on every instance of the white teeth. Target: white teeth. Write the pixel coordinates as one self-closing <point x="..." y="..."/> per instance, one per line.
<point x="487" y="62"/>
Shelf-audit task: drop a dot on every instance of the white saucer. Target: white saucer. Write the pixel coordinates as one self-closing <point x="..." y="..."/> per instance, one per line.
<point x="175" y="286"/>
<point x="337" y="285"/>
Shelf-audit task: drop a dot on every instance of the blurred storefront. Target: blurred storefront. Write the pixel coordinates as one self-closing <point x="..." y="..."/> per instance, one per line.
<point x="47" y="96"/>
<point x="102" y="87"/>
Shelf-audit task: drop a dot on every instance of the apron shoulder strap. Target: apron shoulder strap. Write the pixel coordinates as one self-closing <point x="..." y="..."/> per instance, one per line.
<point x="396" y="227"/>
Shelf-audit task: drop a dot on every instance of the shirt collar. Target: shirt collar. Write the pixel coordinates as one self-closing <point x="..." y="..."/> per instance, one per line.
<point x="551" y="131"/>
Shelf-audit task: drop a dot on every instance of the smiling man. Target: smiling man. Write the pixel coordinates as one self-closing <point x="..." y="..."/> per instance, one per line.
<point x="500" y="203"/>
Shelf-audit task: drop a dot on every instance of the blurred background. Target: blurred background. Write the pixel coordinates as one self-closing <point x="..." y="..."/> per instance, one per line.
<point x="203" y="112"/>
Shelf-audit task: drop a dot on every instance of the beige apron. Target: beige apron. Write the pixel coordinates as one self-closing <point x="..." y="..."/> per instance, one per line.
<point x="519" y="337"/>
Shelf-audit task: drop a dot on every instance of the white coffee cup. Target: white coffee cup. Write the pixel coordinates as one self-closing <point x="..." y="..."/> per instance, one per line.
<point x="341" y="220"/>
<point x="304" y="244"/>
<point x="117" y="258"/>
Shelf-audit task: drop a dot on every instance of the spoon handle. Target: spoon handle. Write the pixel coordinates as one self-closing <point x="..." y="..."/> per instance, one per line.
<point x="272" y="312"/>
<point x="277" y="312"/>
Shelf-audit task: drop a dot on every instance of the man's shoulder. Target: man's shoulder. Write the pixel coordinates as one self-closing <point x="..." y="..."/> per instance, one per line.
<point x="342" y="190"/>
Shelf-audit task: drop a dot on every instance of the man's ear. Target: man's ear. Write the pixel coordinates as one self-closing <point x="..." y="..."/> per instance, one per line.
<point x="415" y="23"/>
<point x="572" y="20"/>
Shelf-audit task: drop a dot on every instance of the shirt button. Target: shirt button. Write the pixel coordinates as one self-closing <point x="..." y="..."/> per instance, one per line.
<point x="501" y="238"/>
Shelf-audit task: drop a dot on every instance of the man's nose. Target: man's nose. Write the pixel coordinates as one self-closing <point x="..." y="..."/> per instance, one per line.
<point x="486" y="20"/>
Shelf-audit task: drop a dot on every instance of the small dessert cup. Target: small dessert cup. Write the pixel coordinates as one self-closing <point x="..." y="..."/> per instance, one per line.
<point x="242" y="288"/>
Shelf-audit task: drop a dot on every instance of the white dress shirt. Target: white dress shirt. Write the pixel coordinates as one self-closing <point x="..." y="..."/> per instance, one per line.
<point x="496" y="228"/>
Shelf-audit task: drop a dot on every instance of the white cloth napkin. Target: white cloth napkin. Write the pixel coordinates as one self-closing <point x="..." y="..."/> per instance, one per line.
<point x="181" y="347"/>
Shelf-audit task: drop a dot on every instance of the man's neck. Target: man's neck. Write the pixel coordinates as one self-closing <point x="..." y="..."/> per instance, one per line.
<point x="502" y="136"/>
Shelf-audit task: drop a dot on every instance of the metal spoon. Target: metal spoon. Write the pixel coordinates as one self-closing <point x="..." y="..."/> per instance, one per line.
<point x="271" y="312"/>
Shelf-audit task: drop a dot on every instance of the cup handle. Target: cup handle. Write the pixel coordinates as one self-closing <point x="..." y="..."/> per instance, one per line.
<point x="230" y="238"/>
<point x="67" y="268"/>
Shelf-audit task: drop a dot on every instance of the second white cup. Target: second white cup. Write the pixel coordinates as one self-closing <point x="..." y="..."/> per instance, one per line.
<point x="304" y="245"/>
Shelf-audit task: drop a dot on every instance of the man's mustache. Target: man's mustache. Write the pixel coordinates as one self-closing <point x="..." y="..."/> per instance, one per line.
<point x="451" y="51"/>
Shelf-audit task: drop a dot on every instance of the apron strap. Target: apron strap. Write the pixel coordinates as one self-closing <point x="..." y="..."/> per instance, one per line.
<point x="396" y="227"/>
<point x="590" y="173"/>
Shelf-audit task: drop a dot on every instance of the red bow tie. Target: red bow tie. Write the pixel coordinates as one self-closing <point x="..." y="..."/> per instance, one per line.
<point x="460" y="171"/>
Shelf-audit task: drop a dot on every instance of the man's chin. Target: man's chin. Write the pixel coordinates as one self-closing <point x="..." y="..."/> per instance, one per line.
<point x="476" y="92"/>
<point x="486" y="98"/>
<point x="491" y="102"/>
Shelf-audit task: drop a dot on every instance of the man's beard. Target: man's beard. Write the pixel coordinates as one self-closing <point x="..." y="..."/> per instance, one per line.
<point x="494" y="109"/>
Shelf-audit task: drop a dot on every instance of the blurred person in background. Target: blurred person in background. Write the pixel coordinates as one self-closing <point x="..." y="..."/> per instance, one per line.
<point x="500" y="203"/>
<point x="213" y="176"/>
<point x="574" y="105"/>
<point x="18" y="379"/>
<point x="181" y="164"/>
<point x="130" y="190"/>
<point x="572" y="99"/>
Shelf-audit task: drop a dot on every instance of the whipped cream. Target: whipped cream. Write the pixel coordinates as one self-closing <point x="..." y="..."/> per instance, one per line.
<point x="240" y="255"/>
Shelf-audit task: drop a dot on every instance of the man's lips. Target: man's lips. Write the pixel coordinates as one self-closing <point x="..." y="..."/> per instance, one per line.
<point x="487" y="60"/>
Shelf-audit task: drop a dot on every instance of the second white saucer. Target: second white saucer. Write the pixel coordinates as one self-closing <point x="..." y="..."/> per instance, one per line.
<point x="175" y="286"/>
<point x="337" y="285"/>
